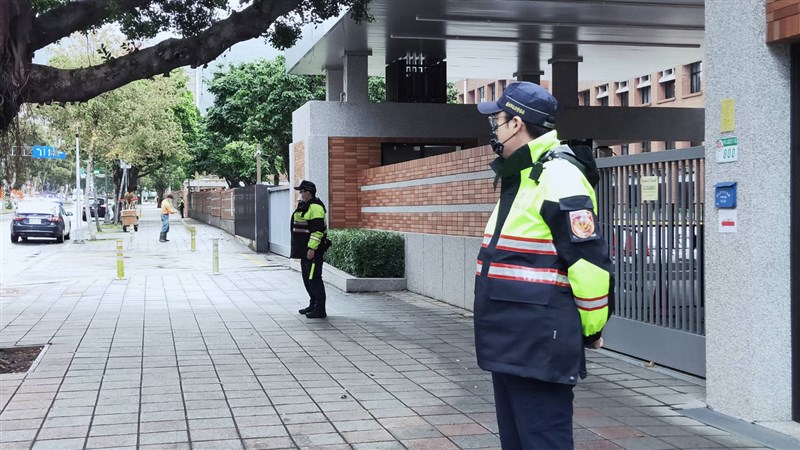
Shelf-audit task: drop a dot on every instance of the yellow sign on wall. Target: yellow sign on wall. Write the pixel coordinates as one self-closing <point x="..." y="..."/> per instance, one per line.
<point x="727" y="115"/>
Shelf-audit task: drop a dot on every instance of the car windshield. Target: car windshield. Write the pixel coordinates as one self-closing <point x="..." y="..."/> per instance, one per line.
<point x="37" y="208"/>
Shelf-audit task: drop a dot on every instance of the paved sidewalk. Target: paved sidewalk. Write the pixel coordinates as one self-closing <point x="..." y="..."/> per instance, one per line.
<point x="176" y="357"/>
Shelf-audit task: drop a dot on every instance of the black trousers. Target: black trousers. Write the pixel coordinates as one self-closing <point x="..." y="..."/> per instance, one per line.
<point x="533" y="414"/>
<point x="312" y="279"/>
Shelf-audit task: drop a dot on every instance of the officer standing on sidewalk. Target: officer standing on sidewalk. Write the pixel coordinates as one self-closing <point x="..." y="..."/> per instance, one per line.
<point x="543" y="282"/>
<point x="308" y="236"/>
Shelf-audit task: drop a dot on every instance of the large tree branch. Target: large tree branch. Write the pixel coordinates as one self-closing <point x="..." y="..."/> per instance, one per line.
<point x="48" y="84"/>
<point x="75" y="16"/>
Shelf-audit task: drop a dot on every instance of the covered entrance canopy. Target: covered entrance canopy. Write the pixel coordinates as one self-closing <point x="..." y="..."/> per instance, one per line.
<point x="563" y="41"/>
<point x="617" y="39"/>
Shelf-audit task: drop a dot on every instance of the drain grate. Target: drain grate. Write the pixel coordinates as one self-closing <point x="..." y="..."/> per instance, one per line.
<point x="18" y="359"/>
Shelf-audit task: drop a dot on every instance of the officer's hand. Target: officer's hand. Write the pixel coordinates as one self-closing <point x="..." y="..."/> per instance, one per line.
<point x="596" y="344"/>
<point x="310" y="254"/>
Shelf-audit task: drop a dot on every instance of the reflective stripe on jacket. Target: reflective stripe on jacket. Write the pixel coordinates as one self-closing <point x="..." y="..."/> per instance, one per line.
<point x="543" y="272"/>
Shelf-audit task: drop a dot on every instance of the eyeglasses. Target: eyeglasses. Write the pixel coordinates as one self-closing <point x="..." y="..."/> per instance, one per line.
<point x="494" y="125"/>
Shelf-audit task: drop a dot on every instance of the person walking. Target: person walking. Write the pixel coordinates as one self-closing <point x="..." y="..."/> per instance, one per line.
<point x="181" y="206"/>
<point x="308" y="238"/>
<point x="543" y="286"/>
<point x="166" y="210"/>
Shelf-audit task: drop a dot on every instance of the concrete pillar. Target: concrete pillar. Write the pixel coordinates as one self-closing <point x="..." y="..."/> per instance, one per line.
<point x="334" y="83"/>
<point x="748" y="305"/>
<point x="565" y="80"/>
<point x="534" y="76"/>
<point x="355" y="76"/>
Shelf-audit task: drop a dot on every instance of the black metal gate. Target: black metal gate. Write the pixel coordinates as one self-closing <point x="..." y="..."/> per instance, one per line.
<point x="651" y="211"/>
<point x="252" y="215"/>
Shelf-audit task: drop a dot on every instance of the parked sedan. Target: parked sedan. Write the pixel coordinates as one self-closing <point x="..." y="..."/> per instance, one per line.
<point x="40" y="219"/>
<point x="97" y="206"/>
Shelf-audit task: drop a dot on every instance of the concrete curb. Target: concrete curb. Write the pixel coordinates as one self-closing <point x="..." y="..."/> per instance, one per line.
<point x="349" y="283"/>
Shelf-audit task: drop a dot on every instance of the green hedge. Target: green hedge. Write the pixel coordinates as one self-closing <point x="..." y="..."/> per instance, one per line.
<point x="367" y="253"/>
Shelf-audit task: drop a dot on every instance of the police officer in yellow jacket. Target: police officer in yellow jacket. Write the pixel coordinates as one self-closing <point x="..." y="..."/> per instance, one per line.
<point x="308" y="234"/>
<point x="543" y="281"/>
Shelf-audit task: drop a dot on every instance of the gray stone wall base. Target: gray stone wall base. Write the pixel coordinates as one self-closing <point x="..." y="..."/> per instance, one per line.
<point x="349" y="283"/>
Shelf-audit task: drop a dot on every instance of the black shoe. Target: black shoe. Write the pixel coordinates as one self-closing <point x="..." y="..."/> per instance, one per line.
<point x="162" y="240"/>
<point x="316" y="315"/>
<point x="306" y="310"/>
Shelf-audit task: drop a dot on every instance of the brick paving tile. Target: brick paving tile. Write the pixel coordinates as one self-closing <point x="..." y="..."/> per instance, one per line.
<point x="266" y="431"/>
<point x="218" y="445"/>
<point x="415" y="432"/>
<point x="389" y="445"/>
<point x="617" y="432"/>
<point x="268" y="443"/>
<point x="163" y="437"/>
<point x="477" y="441"/>
<point x="28" y="424"/>
<point x="166" y="425"/>
<point x="22" y="445"/>
<point x="58" y="444"/>
<point x="430" y="444"/>
<point x="17" y="435"/>
<point x="644" y="443"/>
<point x="112" y="441"/>
<point x="308" y="440"/>
<point x="686" y="442"/>
<point x="212" y="434"/>
<point x="596" y="445"/>
<point x="357" y="425"/>
<point x="354" y="437"/>
<point x="63" y="432"/>
<point x="311" y="428"/>
<point x="462" y="429"/>
<point x="399" y="422"/>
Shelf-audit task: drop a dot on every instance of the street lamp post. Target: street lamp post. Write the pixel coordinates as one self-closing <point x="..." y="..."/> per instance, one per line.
<point x="78" y="230"/>
<point x="258" y="163"/>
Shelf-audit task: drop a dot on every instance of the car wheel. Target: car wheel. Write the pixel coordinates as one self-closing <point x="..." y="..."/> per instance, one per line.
<point x="60" y="238"/>
<point x="124" y="228"/>
<point x="67" y="236"/>
<point x="136" y="228"/>
<point x="14" y="239"/>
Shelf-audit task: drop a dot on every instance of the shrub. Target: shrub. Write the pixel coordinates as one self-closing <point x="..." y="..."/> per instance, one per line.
<point x="367" y="253"/>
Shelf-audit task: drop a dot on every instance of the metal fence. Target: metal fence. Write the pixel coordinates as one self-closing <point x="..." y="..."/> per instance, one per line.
<point x="651" y="212"/>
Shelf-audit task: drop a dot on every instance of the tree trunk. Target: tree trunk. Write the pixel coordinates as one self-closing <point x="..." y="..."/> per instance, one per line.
<point x="16" y="24"/>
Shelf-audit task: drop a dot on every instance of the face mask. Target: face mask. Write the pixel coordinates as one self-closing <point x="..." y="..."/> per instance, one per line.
<point x="497" y="146"/>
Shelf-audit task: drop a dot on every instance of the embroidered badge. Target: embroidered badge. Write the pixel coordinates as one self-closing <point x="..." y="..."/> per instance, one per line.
<point x="582" y="225"/>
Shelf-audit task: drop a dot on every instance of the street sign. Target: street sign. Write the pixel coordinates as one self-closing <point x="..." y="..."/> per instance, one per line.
<point x="47" y="152"/>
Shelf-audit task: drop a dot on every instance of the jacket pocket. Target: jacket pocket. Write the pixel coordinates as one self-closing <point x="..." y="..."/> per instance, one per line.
<point x="520" y="291"/>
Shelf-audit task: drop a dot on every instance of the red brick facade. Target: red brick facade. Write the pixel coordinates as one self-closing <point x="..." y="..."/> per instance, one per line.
<point x="783" y="20"/>
<point x="355" y="162"/>
<point x="299" y="166"/>
<point x="217" y="203"/>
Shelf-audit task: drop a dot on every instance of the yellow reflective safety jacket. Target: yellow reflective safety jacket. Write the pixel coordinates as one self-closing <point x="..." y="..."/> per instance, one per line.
<point x="543" y="285"/>
<point x="308" y="227"/>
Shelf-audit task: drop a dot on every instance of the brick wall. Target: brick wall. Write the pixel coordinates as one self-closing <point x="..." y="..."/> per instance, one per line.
<point x="452" y="193"/>
<point x="299" y="162"/>
<point x="783" y="20"/>
<point x="348" y="158"/>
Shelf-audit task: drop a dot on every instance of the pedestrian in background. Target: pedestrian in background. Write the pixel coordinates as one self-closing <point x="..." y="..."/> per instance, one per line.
<point x="166" y="210"/>
<point x="308" y="235"/>
<point x="543" y="282"/>
<point x="181" y="206"/>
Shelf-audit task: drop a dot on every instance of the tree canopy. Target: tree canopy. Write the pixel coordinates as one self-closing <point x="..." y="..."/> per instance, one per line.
<point x="253" y="105"/>
<point x="204" y="29"/>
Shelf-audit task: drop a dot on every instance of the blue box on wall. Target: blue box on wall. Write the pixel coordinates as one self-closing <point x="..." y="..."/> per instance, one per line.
<point x="725" y="194"/>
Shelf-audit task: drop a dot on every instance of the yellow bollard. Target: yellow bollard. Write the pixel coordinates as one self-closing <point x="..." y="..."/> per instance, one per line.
<point x="120" y="263"/>
<point x="193" y="231"/>
<point x="216" y="255"/>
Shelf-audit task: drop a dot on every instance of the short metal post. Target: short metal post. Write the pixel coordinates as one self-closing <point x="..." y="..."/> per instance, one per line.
<point x="120" y="263"/>
<point x="193" y="231"/>
<point x="216" y="255"/>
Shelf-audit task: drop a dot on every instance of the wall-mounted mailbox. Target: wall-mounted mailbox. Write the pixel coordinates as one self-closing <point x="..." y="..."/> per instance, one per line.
<point x="725" y="194"/>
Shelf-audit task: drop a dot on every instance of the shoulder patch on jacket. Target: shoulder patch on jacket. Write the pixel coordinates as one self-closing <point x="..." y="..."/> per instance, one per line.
<point x="582" y="226"/>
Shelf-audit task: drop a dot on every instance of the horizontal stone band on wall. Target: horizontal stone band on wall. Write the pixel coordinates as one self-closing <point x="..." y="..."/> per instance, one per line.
<point x="487" y="207"/>
<point x="429" y="181"/>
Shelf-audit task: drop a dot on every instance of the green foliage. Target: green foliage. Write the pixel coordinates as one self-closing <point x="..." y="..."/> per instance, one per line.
<point x="367" y="253"/>
<point x="253" y="104"/>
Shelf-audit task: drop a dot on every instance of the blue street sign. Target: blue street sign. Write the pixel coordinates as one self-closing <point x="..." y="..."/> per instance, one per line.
<point x="47" y="152"/>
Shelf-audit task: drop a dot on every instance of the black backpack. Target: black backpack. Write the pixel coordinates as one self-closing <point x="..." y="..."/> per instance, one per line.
<point x="581" y="156"/>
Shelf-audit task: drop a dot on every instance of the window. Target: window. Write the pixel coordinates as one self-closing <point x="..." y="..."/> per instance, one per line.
<point x="667" y="82"/>
<point x="669" y="145"/>
<point x="645" y="147"/>
<point x="602" y="95"/>
<point x="482" y="94"/>
<point x="669" y="89"/>
<point x="585" y="98"/>
<point x="502" y="86"/>
<point x="622" y="93"/>
<point x="623" y="149"/>
<point x="644" y="95"/>
<point x="695" y="71"/>
<point x="696" y="143"/>
<point x="393" y="153"/>
<point x="492" y="95"/>
<point x="623" y="99"/>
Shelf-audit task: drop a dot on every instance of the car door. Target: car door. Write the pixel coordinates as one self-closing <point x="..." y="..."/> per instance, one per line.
<point x="67" y="220"/>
